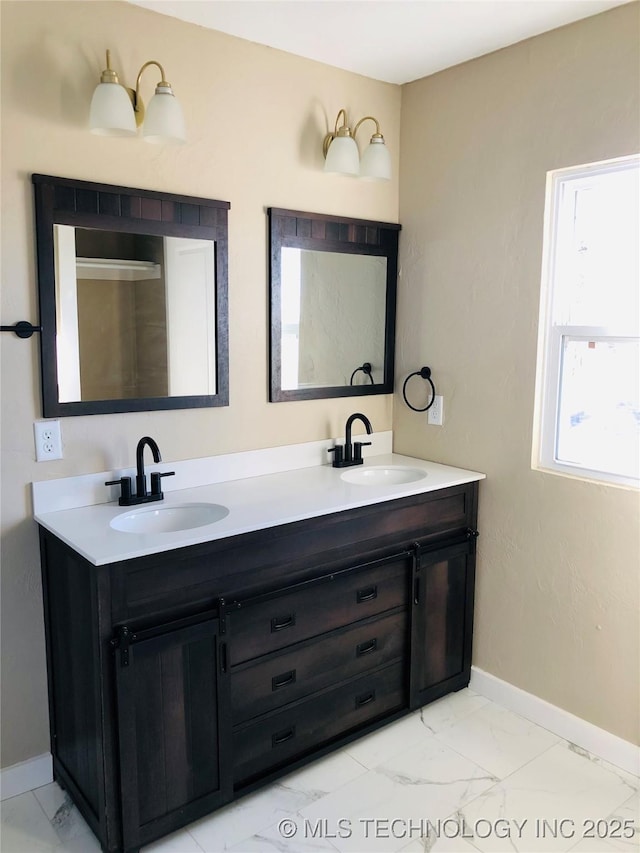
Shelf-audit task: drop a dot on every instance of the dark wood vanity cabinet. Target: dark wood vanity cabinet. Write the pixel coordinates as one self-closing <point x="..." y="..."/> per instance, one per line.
<point x="182" y="680"/>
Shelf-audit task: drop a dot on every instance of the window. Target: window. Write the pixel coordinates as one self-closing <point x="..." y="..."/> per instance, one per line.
<point x="588" y="390"/>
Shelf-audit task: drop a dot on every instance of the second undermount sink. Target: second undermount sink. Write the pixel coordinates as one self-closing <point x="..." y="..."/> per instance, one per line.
<point x="383" y="475"/>
<point x="169" y="519"/>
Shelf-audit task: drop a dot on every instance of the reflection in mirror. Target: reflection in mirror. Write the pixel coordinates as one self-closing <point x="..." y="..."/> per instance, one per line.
<point x="132" y="287"/>
<point x="128" y="304"/>
<point x="333" y="293"/>
<point x="333" y="318"/>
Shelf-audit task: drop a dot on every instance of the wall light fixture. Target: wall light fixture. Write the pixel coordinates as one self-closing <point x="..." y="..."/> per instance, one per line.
<point x="342" y="156"/>
<point x="118" y="111"/>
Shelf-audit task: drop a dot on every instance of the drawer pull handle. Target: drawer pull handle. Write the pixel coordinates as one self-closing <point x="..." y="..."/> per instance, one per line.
<point x="283" y="737"/>
<point x="365" y="698"/>
<point x="366" y="647"/>
<point x="367" y="594"/>
<point x="283" y="680"/>
<point x="280" y="623"/>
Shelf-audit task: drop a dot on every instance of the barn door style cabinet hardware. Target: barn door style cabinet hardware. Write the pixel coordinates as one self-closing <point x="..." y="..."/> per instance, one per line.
<point x="22" y="329"/>
<point x="182" y="680"/>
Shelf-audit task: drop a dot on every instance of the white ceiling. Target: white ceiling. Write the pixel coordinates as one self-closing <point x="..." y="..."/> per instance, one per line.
<point x="392" y="40"/>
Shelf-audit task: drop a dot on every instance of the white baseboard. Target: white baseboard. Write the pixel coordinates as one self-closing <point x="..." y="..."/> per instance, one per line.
<point x="25" y="776"/>
<point x="597" y="741"/>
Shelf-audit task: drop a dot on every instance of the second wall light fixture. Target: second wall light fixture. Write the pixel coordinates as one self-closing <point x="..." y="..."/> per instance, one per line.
<point x="118" y="111"/>
<point x="342" y="156"/>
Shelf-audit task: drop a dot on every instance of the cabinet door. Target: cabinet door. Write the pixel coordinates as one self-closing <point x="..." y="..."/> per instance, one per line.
<point x="172" y="721"/>
<point x="441" y="621"/>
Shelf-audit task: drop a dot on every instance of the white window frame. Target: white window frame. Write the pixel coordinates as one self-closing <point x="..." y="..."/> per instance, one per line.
<point x="550" y="336"/>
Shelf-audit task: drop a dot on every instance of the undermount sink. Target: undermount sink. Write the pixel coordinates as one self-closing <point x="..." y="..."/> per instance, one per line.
<point x="169" y="519"/>
<point x="383" y="475"/>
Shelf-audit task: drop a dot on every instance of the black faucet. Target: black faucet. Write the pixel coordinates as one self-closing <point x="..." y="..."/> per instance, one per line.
<point x="142" y="496"/>
<point x="141" y="480"/>
<point x="351" y="454"/>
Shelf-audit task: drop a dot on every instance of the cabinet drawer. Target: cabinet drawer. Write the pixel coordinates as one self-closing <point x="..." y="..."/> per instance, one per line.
<point x="264" y="626"/>
<point x="272" y="683"/>
<point x="294" y="731"/>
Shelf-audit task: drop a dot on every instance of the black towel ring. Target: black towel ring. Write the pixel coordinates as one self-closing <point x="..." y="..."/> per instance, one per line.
<point x="366" y="369"/>
<point x="425" y="373"/>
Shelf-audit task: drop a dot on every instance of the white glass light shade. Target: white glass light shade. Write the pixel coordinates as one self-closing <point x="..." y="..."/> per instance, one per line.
<point x="343" y="156"/>
<point x="164" y="121"/>
<point x="376" y="162"/>
<point x="111" y="112"/>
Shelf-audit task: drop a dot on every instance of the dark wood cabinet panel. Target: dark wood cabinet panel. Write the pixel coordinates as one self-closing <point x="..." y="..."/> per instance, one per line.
<point x="76" y="700"/>
<point x="170" y="713"/>
<point x="442" y="621"/>
<point x="180" y="681"/>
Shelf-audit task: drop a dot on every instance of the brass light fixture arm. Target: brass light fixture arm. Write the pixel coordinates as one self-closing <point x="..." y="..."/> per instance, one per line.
<point x="163" y="81"/>
<point x="109" y="75"/>
<point x="377" y="134"/>
<point x="345" y="125"/>
<point x="345" y="130"/>
<point x="136" y="100"/>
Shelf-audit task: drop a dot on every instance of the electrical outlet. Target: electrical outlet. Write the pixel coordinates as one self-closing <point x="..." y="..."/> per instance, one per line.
<point x="48" y="440"/>
<point x="435" y="415"/>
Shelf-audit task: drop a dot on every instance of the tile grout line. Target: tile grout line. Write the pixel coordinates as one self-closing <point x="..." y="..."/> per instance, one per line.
<point x="195" y="840"/>
<point x="49" y="821"/>
<point x="499" y="781"/>
<point x="559" y="739"/>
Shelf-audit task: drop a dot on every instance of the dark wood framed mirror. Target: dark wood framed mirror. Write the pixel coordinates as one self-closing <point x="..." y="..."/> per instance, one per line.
<point x="333" y="305"/>
<point x="133" y="298"/>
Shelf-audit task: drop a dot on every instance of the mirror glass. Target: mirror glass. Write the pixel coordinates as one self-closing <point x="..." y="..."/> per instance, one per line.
<point x="136" y="315"/>
<point x="332" y="318"/>
<point x="132" y="287"/>
<point x="333" y="296"/>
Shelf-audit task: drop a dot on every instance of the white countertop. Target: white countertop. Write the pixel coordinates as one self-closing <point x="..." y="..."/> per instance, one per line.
<point x="254" y="503"/>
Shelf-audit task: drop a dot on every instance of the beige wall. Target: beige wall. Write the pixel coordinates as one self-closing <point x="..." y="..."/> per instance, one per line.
<point x="256" y="118"/>
<point x="558" y="577"/>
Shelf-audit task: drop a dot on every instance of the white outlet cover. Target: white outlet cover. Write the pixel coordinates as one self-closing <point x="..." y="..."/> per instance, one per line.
<point x="435" y="415"/>
<point x="48" y="440"/>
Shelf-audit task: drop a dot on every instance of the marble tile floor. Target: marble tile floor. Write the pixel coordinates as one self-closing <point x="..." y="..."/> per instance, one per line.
<point x="460" y="776"/>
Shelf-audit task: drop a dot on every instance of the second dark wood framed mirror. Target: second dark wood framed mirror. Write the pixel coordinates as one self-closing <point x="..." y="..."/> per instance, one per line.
<point x="333" y="305"/>
<point x="133" y="298"/>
